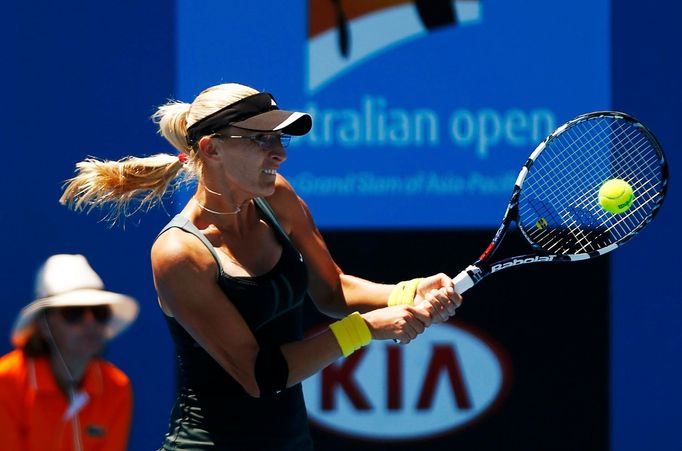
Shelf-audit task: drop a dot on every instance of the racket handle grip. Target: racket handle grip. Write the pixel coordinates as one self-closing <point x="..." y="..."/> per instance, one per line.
<point x="463" y="280"/>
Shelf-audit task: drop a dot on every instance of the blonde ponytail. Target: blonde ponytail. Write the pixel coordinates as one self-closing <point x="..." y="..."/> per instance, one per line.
<point x="172" y="121"/>
<point x="118" y="185"/>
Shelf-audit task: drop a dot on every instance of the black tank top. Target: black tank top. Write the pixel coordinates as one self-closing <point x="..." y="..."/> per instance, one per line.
<point x="212" y="411"/>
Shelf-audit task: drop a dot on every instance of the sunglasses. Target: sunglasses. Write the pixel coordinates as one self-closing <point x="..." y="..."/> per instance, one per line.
<point x="263" y="140"/>
<point x="75" y="314"/>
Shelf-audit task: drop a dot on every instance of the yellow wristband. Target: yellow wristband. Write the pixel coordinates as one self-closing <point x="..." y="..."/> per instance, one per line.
<point x="351" y="333"/>
<point x="404" y="292"/>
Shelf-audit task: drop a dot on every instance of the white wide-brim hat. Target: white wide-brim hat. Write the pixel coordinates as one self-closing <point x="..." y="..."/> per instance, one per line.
<point x="69" y="281"/>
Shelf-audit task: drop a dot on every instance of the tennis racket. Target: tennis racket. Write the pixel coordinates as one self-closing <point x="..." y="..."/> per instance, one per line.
<point x="555" y="200"/>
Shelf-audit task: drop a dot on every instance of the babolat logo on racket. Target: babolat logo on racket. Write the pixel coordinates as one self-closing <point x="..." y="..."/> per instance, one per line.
<point x="521" y="261"/>
<point x="541" y="224"/>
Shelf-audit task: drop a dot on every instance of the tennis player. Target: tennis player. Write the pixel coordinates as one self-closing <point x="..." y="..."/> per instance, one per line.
<point x="232" y="271"/>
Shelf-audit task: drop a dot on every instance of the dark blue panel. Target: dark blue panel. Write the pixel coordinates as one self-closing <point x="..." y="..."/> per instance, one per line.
<point x="81" y="78"/>
<point x="646" y="308"/>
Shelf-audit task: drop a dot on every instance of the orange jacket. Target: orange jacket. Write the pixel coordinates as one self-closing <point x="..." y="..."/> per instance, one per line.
<point x="33" y="410"/>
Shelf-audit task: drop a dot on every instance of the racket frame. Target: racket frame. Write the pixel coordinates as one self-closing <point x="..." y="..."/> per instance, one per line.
<point x="481" y="268"/>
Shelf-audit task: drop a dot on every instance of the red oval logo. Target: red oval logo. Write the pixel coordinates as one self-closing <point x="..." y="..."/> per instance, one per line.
<point x="446" y="379"/>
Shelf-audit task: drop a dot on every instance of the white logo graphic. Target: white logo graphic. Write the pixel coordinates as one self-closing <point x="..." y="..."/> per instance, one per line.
<point x="521" y="261"/>
<point x="361" y="30"/>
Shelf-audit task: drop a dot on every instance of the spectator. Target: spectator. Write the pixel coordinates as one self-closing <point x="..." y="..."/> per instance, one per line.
<point x="56" y="391"/>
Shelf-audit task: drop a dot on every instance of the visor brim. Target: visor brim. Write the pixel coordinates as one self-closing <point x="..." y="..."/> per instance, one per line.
<point x="288" y="122"/>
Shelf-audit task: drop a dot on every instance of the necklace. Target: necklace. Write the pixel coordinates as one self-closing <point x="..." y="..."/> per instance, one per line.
<point x="211" y="191"/>
<point x="216" y="212"/>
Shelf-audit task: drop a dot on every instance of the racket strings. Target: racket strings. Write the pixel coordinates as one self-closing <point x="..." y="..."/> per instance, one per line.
<point x="564" y="166"/>
<point x="559" y="207"/>
<point x="575" y="227"/>
<point x="646" y="192"/>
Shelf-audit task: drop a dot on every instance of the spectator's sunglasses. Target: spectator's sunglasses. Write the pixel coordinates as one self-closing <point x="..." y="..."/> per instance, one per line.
<point x="75" y="314"/>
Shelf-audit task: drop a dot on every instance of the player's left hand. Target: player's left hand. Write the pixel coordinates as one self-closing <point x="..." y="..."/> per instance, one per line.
<point x="439" y="291"/>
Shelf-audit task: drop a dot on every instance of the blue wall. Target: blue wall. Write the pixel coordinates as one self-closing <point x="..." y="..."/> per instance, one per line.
<point x="646" y="276"/>
<point x="82" y="78"/>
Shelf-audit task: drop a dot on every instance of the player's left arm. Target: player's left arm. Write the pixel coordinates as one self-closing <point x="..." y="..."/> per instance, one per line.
<point x="335" y="293"/>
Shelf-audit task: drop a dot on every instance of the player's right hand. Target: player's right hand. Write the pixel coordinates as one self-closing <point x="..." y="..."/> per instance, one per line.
<point x="401" y="322"/>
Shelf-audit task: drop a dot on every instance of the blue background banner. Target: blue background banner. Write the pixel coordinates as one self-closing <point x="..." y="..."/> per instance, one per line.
<point x="83" y="80"/>
<point x="411" y="118"/>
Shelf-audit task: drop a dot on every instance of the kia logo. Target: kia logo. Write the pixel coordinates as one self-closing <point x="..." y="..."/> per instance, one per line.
<point x="447" y="378"/>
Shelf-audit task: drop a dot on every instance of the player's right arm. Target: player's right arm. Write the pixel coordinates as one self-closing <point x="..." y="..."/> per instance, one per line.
<point x="185" y="279"/>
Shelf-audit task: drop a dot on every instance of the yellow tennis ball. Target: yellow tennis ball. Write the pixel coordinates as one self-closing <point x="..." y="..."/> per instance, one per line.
<point x="616" y="196"/>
